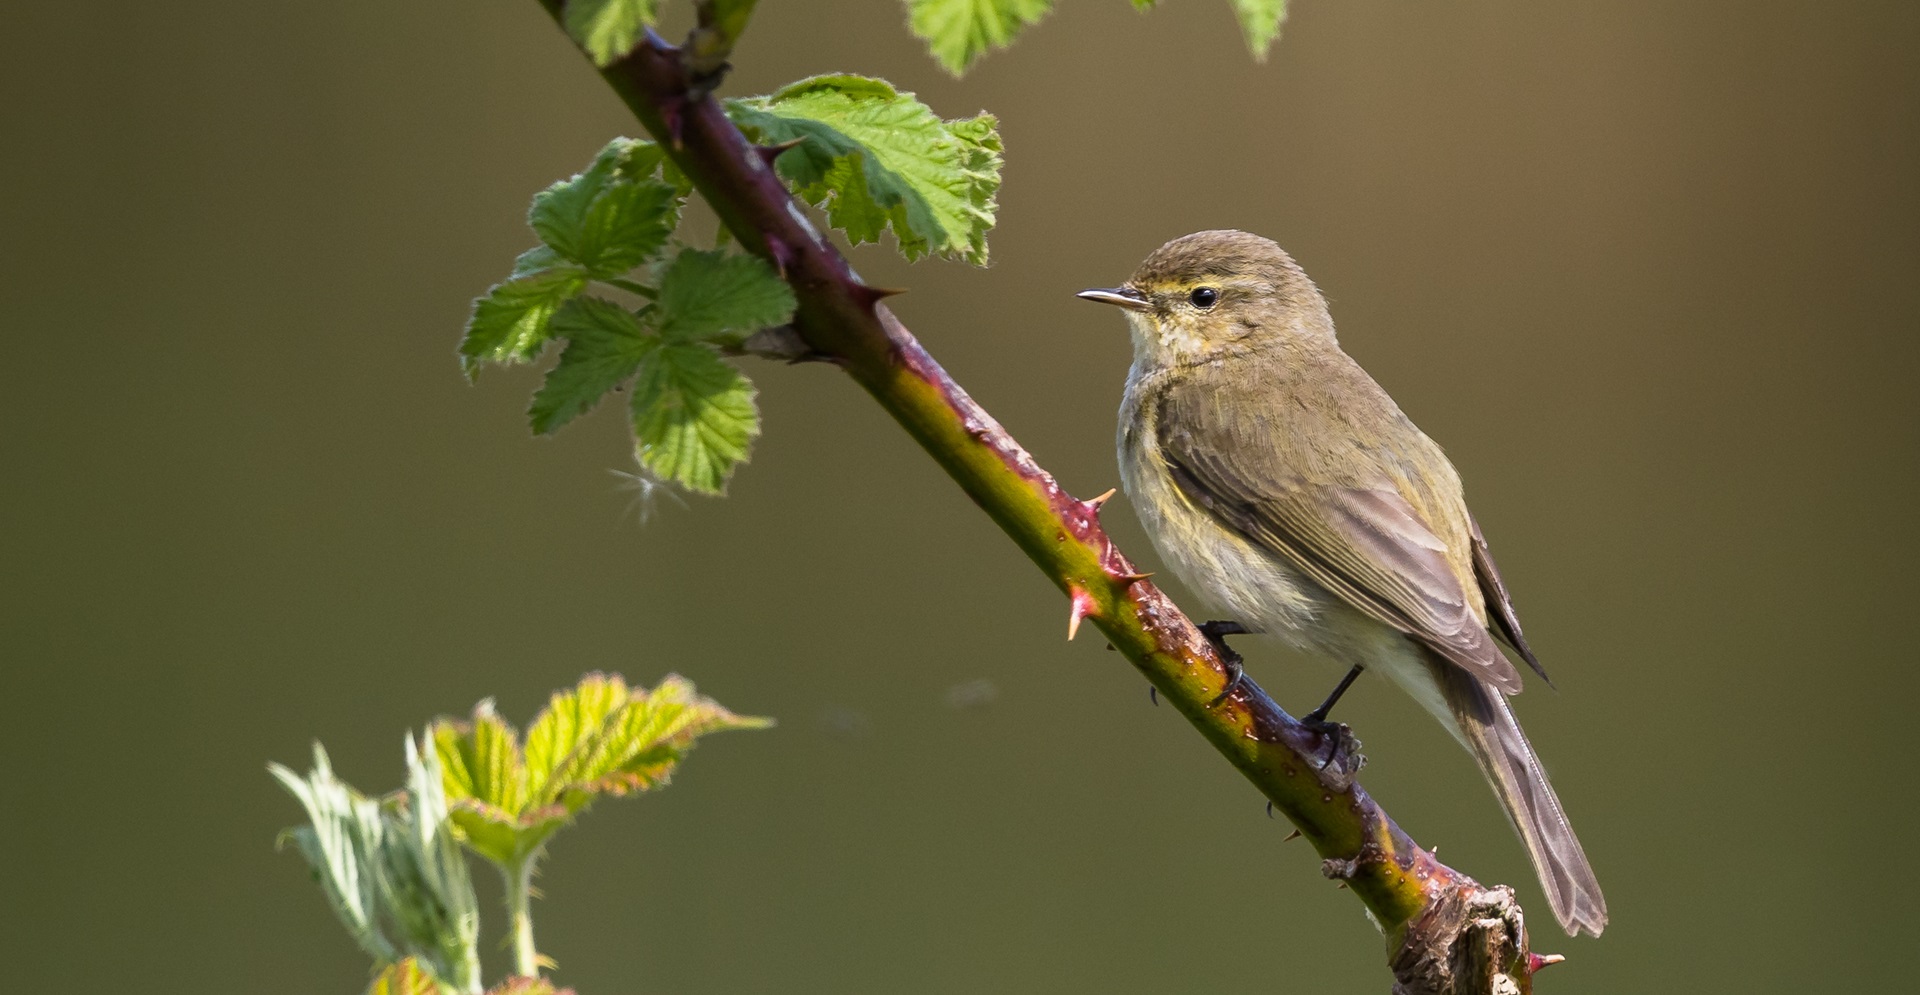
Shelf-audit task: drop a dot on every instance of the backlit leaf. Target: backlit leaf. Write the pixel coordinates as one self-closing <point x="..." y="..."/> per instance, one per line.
<point x="707" y="294"/>
<point x="960" y="31"/>
<point x="1260" y="23"/>
<point x="608" y="29"/>
<point x="693" y="416"/>
<point x="605" y="344"/>
<point x="875" y="158"/>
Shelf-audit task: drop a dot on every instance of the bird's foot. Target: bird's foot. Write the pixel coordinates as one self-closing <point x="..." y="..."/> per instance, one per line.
<point x="1236" y="676"/>
<point x="1335" y="748"/>
<point x="1217" y="633"/>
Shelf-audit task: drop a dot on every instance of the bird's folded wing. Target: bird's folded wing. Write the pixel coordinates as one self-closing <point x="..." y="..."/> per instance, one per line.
<point x="1366" y="544"/>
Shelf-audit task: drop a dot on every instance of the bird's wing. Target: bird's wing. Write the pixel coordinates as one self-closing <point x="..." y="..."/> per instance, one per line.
<point x="1338" y="515"/>
<point x="1499" y="602"/>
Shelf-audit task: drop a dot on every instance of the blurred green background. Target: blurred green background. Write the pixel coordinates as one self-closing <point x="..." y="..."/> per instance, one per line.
<point x="1648" y="270"/>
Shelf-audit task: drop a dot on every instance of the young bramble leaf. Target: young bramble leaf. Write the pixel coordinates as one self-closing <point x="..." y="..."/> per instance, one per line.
<point x="706" y="295"/>
<point x="693" y="416"/>
<point x="605" y="344"/>
<point x="961" y="31"/>
<point x="598" y="738"/>
<point x="608" y="29"/>
<point x="604" y="220"/>
<point x="513" y="322"/>
<point x="392" y="870"/>
<point x="1260" y="23"/>
<point x="609" y="219"/>
<point x="877" y="158"/>
<point x="404" y="978"/>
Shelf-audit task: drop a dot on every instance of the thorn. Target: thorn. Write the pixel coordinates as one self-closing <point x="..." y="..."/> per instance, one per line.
<point x="779" y="251"/>
<point x="1093" y="504"/>
<point x="1292" y="836"/>
<point x="1537" y="961"/>
<point x="1433" y="851"/>
<point x="1153" y="693"/>
<point x="1133" y="578"/>
<point x="1342" y="886"/>
<point x="1110" y="648"/>
<point x="1080" y="606"/>
<point x="1269" y="808"/>
<point x="768" y="153"/>
<point x="869" y="296"/>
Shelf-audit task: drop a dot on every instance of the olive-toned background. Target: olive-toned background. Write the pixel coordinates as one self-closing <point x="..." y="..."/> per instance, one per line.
<point x="1648" y="270"/>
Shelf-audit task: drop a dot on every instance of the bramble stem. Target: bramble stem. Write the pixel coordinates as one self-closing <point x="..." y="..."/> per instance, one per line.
<point x="1446" y="935"/>
<point x="519" y="878"/>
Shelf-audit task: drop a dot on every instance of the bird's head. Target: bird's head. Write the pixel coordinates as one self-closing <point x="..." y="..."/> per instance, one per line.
<point x="1214" y="293"/>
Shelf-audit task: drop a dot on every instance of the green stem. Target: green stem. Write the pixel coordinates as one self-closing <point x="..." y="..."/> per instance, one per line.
<point x="519" y="878"/>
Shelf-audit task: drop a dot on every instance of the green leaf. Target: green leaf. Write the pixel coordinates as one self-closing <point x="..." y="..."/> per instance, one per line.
<point x="706" y="294"/>
<point x="605" y="220"/>
<point x="392" y="871"/>
<point x="609" y="29"/>
<point x="1260" y="23"/>
<point x="513" y="322"/>
<point x="693" y="416"/>
<point x="730" y="17"/>
<point x="598" y="738"/>
<point x="405" y="978"/>
<point x="1144" y="4"/>
<point x="605" y="344"/>
<point x="960" y="31"/>
<point x="876" y="158"/>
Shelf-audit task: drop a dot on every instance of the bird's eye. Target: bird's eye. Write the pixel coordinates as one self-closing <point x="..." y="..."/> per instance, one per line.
<point x="1204" y="297"/>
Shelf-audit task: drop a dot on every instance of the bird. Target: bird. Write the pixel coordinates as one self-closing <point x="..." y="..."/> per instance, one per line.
<point x="1280" y="482"/>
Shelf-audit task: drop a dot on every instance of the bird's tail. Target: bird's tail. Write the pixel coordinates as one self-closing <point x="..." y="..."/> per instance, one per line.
<point x="1494" y="738"/>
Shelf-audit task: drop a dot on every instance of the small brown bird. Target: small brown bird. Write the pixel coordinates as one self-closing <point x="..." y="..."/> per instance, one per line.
<point x="1279" y="481"/>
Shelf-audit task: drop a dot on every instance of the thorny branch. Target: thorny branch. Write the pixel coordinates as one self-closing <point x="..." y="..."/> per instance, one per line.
<point x="1445" y="933"/>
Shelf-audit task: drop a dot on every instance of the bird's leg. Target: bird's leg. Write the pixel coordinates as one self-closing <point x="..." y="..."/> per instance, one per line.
<point x="1319" y="715"/>
<point x="1217" y="633"/>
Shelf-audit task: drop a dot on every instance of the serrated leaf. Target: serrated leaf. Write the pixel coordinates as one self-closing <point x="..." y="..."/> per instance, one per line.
<point x="506" y="838"/>
<point x="705" y="295"/>
<point x="875" y="158"/>
<point x="958" y="32"/>
<point x="693" y="416"/>
<point x="569" y="721"/>
<point x="642" y="740"/>
<point x="604" y="221"/>
<point x="1260" y="23"/>
<point x="597" y="738"/>
<point x="609" y="29"/>
<point x="513" y="322"/>
<point x="605" y="344"/>
<point x="404" y="978"/>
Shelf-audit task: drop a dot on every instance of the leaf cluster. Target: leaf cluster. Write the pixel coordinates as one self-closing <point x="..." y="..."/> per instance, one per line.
<point x="692" y="412"/>
<point x="873" y="158"/>
<point x="392" y="868"/>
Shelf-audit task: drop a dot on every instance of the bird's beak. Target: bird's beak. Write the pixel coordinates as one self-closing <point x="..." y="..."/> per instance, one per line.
<point x="1126" y="297"/>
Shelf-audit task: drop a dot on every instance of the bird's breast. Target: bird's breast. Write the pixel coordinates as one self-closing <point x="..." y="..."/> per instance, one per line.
<point x="1233" y="574"/>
